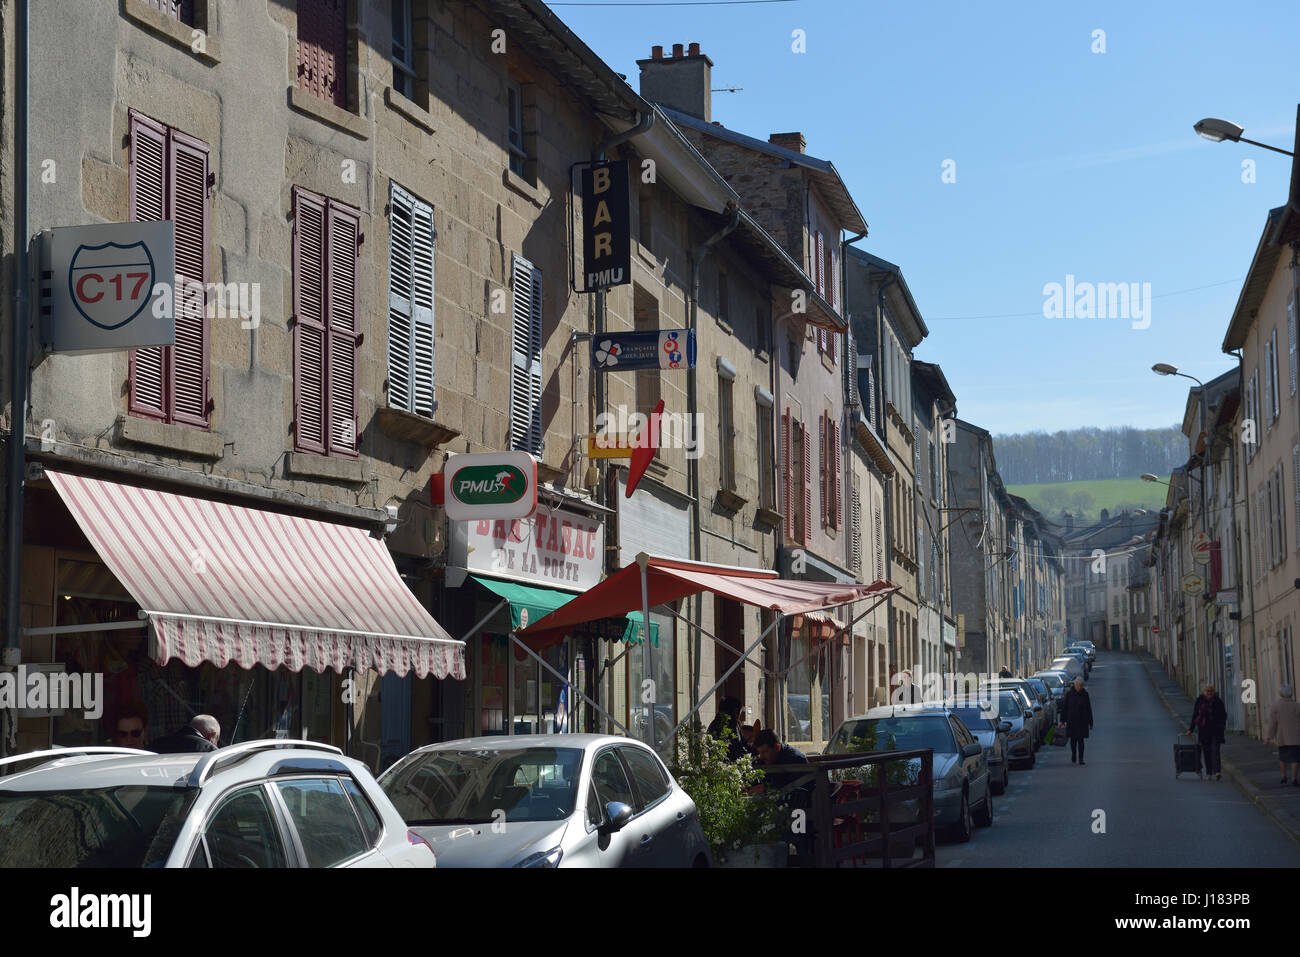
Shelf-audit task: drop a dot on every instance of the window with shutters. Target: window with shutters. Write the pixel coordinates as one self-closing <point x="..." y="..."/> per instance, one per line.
<point x="766" y="464"/>
<point x="878" y="543"/>
<point x="323" y="50"/>
<point x="803" y="470"/>
<point x="856" y="526"/>
<point x="823" y="469"/>
<point x="326" y="332"/>
<point x="726" y="435"/>
<point x="169" y="175"/>
<point x="515" y="126"/>
<point x="1291" y="339"/>
<point x="921" y="580"/>
<point x="787" y="472"/>
<point x="837" y="487"/>
<point x="412" y="240"/>
<point x="1295" y="485"/>
<point x="1274" y="398"/>
<point x="1279" y="487"/>
<point x="526" y="431"/>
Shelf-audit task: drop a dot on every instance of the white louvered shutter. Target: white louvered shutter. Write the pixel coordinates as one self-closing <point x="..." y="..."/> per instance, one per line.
<point x="526" y="358"/>
<point x="1295" y="485"/>
<point x="1291" y="337"/>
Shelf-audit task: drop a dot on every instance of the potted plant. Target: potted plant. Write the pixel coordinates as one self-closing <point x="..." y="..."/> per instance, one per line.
<point x="743" y="830"/>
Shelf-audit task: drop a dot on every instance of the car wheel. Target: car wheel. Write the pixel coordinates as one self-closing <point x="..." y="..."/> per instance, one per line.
<point x="985" y="817"/>
<point x="700" y="861"/>
<point x="963" y="829"/>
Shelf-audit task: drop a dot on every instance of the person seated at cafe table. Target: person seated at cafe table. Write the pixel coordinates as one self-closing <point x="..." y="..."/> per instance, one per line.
<point x="772" y="752"/>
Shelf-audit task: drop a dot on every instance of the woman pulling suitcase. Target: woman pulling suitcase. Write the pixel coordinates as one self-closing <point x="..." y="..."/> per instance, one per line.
<point x="1209" y="720"/>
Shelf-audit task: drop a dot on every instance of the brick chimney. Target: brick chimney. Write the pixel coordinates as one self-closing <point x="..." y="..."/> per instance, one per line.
<point x="681" y="81"/>
<point x="789" y="141"/>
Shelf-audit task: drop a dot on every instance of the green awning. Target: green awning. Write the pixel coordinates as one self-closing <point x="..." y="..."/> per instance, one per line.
<point x="527" y="600"/>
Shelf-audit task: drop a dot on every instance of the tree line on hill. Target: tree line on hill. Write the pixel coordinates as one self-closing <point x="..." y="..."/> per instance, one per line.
<point x="1088" y="453"/>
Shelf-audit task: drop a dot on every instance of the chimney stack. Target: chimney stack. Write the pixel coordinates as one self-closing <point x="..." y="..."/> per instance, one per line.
<point x="680" y="82"/>
<point x="789" y="141"/>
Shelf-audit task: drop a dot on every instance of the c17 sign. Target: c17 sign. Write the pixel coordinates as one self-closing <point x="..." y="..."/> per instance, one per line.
<point x="102" y="284"/>
<point x="488" y="485"/>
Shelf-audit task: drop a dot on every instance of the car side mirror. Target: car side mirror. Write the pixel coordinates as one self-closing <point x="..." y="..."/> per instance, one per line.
<point x="972" y="751"/>
<point x="1029" y="714"/>
<point x="617" y="814"/>
<point x="1004" y="726"/>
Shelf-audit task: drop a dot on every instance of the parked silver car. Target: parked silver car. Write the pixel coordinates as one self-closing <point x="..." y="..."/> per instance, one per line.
<point x="547" y="800"/>
<point x="1038" y="721"/>
<point x="991" y="732"/>
<point x="1070" y="664"/>
<point x="264" y="803"/>
<point x="962" y="796"/>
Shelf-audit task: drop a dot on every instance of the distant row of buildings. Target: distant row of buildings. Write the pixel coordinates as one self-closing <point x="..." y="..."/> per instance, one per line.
<point x="395" y="182"/>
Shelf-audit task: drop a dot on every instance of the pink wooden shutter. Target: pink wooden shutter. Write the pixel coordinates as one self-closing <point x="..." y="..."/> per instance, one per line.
<point x="839" y="474"/>
<point x="309" y="321"/>
<point x="788" y="458"/>
<point x="188" y="191"/>
<point x="822" y="468"/>
<point x="147" y="395"/>
<point x="322" y="49"/>
<point x="341" y="301"/>
<point x="806" y="531"/>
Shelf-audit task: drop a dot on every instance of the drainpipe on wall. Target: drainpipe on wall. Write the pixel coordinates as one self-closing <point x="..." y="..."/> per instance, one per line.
<point x="693" y="464"/>
<point x="19" y="367"/>
<point x="891" y="636"/>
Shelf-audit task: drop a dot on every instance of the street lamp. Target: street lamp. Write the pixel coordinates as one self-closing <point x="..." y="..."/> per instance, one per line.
<point x="1216" y="131"/>
<point x="1148" y="477"/>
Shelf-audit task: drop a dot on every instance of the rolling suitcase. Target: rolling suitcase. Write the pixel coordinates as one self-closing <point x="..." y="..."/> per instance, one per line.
<point x="1187" y="755"/>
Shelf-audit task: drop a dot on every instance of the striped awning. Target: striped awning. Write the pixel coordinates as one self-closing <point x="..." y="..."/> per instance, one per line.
<point x="228" y="584"/>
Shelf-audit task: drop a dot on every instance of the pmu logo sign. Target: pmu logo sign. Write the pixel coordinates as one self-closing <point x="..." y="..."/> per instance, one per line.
<point x="487" y="485"/>
<point x="111" y="283"/>
<point x="606" y="226"/>
<point x="490" y="484"/>
<point x="108" y="286"/>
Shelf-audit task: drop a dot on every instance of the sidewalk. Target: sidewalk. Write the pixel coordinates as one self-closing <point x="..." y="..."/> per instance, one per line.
<point x="1249" y="764"/>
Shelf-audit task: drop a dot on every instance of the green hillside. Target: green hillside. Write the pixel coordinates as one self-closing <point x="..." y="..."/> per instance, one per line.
<point x="1085" y="499"/>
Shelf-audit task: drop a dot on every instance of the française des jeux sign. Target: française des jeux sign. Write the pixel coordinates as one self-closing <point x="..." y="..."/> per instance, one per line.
<point x="606" y="226"/>
<point x="109" y="286"/>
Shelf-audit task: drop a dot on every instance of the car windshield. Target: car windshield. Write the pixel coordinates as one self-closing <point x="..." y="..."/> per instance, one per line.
<point x="975" y="718"/>
<point x="901" y="733"/>
<point x="1052" y="681"/>
<point x="125" y="826"/>
<point x="1010" y="705"/>
<point x="486" y="785"/>
<point x="1037" y="685"/>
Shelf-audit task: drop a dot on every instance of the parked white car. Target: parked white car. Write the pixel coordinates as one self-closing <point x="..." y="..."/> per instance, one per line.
<point x="265" y="803"/>
<point x="547" y="800"/>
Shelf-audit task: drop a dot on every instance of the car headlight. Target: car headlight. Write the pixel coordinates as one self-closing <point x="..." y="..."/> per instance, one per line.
<point x="950" y="783"/>
<point x="549" y="858"/>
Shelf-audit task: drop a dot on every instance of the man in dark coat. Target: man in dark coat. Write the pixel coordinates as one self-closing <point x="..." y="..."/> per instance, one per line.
<point x="1076" y="709"/>
<point x="1209" y="719"/>
<point x="200" y="735"/>
<point x="726" y="727"/>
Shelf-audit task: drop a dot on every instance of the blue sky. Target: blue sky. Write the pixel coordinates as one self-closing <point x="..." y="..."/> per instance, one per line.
<point x="1067" y="162"/>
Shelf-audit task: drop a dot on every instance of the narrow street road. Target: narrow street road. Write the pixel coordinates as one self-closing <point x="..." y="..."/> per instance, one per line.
<point x="1046" y="816"/>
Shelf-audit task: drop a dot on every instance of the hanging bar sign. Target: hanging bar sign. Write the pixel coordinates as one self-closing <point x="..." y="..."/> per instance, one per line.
<point x="606" y="226"/>
<point x="654" y="349"/>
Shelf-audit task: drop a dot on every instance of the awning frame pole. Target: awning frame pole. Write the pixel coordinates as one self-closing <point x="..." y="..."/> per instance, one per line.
<point x="97" y="626"/>
<point x="700" y="628"/>
<point x="547" y="665"/>
<point x="647" y="660"/>
<point x="485" y="619"/>
<point x="727" y="674"/>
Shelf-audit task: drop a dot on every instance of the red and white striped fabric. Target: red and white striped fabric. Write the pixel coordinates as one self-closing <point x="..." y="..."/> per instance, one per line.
<point x="224" y="583"/>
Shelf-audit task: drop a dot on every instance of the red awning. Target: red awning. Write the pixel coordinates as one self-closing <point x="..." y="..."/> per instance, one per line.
<point x="670" y="579"/>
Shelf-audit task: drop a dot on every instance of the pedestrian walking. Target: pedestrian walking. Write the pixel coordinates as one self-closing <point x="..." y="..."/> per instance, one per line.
<point x="1076" y="706"/>
<point x="1209" y="719"/>
<point x="906" y="692"/>
<point x="1284" y="728"/>
<point x="200" y="735"/>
